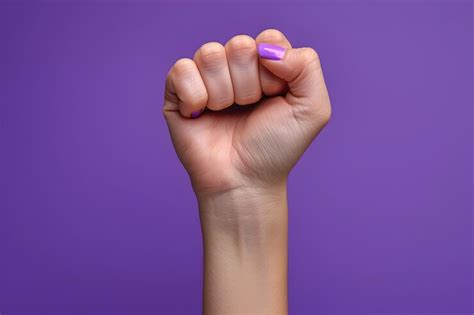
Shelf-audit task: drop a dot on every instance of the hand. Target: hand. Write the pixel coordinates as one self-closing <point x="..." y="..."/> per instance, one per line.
<point x="256" y="142"/>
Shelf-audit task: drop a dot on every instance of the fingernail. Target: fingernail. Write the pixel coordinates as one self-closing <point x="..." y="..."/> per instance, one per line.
<point x="271" y="52"/>
<point x="196" y="114"/>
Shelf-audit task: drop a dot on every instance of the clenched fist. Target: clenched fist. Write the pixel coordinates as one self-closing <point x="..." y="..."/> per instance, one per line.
<point x="242" y="114"/>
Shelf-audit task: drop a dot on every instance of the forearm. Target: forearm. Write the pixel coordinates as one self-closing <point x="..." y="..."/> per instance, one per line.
<point x="245" y="235"/>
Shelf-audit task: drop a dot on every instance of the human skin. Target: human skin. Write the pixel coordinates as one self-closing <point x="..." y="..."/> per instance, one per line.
<point x="260" y="116"/>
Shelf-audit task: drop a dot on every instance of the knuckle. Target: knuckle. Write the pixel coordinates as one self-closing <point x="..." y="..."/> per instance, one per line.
<point x="309" y="55"/>
<point x="182" y="67"/>
<point x="271" y="35"/>
<point x="325" y="115"/>
<point x="210" y="53"/>
<point x="241" y="44"/>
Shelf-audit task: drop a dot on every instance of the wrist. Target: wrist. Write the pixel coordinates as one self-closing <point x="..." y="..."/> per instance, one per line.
<point x="254" y="211"/>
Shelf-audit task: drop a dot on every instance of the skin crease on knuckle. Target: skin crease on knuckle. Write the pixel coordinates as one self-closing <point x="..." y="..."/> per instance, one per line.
<point x="181" y="68"/>
<point x="241" y="47"/>
<point x="210" y="56"/>
<point x="310" y="55"/>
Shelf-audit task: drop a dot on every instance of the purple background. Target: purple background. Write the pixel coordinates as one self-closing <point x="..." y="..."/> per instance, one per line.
<point x="97" y="214"/>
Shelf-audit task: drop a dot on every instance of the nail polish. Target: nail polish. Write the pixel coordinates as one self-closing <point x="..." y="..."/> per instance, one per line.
<point x="271" y="52"/>
<point x="196" y="114"/>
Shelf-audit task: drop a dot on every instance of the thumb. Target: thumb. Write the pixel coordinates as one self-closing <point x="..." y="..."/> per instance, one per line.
<point x="301" y="68"/>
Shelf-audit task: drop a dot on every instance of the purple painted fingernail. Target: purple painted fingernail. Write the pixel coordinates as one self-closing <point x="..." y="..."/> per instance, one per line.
<point x="196" y="114"/>
<point x="271" y="52"/>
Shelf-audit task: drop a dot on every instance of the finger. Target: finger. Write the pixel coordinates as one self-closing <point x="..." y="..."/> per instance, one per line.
<point x="301" y="68"/>
<point x="271" y="84"/>
<point x="211" y="61"/>
<point x="242" y="58"/>
<point x="185" y="90"/>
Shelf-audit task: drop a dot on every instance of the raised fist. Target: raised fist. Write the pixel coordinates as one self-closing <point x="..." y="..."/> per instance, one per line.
<point x="242" y="114"/>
